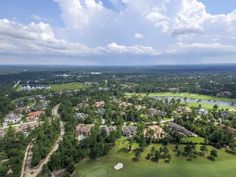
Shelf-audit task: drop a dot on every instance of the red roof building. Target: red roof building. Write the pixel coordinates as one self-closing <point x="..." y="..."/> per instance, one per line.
<point x="32" y="116"/>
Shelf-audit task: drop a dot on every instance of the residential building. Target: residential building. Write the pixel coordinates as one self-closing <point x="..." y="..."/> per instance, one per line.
<point x="108" y="129"/>
<point x="99" y="104"/>
<point x="155" y="112"/>
<point x="83" y="130"/>
<point x="33" y="116"/>
<point x="12" y="118"/>
<point x="184" y="109"/>
<point x="21" y="110"/>
<point x="129" y="131"/>
<point x="81" y="115"/>
<point x="180" y="129"/>
<point x="202" y="112"/>
<point x="154" y="132"/>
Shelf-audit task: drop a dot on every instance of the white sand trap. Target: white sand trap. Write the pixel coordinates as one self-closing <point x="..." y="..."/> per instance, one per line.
<point x="118" y="166"/>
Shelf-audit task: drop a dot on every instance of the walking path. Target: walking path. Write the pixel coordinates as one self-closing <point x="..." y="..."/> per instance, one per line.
<point x="27" y="170"/>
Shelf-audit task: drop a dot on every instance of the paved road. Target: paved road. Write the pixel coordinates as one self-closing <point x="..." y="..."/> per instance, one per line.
<point x="27" y="170"/>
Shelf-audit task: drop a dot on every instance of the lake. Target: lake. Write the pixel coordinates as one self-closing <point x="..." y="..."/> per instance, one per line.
<point x="193" y="100"/>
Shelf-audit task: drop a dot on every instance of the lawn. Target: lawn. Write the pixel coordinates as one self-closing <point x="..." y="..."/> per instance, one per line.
<point x="179" y="167"/>
<point x="198" y="140"/>
<point x="68" y="86"/>
<point x="210" y="106"/>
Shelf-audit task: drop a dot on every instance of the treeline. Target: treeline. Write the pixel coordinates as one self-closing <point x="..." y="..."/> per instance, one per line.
<point x="45" y="137"/>
<point x="6" y="104"/>
<point x="206" y="127"/>
<point x="12" y="148"/>
<point x="71" y="151"/>
<point x="210" y="80"/>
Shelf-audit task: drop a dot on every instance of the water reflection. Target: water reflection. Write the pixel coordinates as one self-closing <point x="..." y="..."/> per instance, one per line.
<point x="193" y="100"/>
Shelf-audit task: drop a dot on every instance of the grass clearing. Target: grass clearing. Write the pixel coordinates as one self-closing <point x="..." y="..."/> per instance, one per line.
<point x="68" y="86"/>
<point x="210" y="106"/>
<point x="179" y="167"/>
<point x="198" y="140"/>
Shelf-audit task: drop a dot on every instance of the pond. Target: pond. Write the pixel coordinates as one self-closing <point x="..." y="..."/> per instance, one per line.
<point x="193" y="100"/>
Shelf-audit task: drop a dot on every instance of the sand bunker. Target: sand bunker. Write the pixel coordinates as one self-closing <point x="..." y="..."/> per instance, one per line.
<point x="118" y="166"/>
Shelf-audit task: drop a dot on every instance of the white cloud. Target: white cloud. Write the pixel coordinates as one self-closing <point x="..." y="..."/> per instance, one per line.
<point x="39" y="38"/>
<point x="36" y="38"/>
<point x="138" y="36"/>
<point x="79" y="13"/>
<point x="135" y="49"/>
<point x="36" y="17"/>
<point x="202" y="50"/>
<point x="164" y="28"/>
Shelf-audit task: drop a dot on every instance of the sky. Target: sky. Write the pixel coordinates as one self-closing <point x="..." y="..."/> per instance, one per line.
<point x="117" y="32"/>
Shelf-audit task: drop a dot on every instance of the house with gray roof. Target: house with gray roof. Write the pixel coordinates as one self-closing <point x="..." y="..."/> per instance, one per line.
<point x="108" y="129"/>
<point x="129" y="131"/>
<point x="180" y="129"/>
<point x="12" y="118"/>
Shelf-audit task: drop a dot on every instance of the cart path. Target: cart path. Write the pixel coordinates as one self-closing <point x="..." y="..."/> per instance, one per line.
<point x="27" y="171"/>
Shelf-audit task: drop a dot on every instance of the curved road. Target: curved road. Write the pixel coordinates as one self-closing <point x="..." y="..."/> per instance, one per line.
<point x="27" y="171"/>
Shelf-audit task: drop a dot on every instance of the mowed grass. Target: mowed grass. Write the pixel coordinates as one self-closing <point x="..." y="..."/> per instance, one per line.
<point x="68" y="86"/>
<point x="198" y="140"/>
<point x="179" y="166"/>
<point x="210" y="106"/>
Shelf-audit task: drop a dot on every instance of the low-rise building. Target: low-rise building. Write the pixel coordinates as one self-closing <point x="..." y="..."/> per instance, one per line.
<point x="83" y="131"/>
<point x="224" y="114"/>
<point x="129" y="131"/>
<point x="34" y="87"/>
<point x="12" y="118"/>
<point x="99" y="104"/>
<point x="100" y="111"/>
<point x="108" y="129"/>
<point x="180" y="129"/>
<point x="139" y="107"/>
<point x="34" y="116"/>
<point x="184" y="109"/>
<point x="21" y="110"/>
<point x="124" y="105"/>
<point x="81" y="115"/>
<point x="156" y="112"/>
<point x="82" y="105"/>
<point x="23" y="128"/>
<point x="202" y="112"/>
<point x="154" y="132"/>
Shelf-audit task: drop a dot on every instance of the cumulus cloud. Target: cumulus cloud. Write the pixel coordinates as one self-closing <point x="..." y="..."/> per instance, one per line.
<point x="36" y="38"/>
<point x="79" y="13"/>
<point x="39" y="38"/>
<point x="150" y="28"/>
<point x="136" y="49"/>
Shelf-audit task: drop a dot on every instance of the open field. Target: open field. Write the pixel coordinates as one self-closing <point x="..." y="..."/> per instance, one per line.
<point x="68" y="86"/>
<point x="179" y="167"/>
<point x="198" y="140"/>
<point x="210" y="106"/>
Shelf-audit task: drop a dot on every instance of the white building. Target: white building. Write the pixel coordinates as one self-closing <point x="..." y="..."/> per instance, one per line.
<point x="202" y="112"/>
<point x="12" y="118"/>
